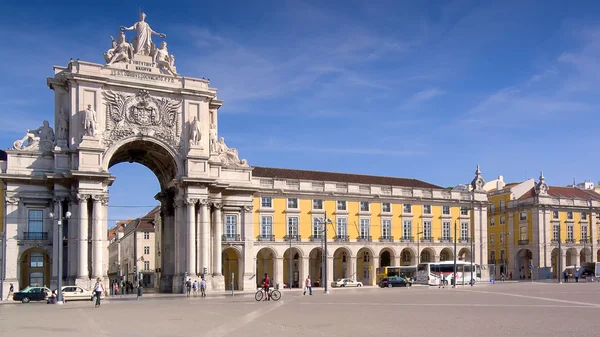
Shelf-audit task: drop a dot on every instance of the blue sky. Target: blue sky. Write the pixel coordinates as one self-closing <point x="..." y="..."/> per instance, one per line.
<point x="423" y="89"/>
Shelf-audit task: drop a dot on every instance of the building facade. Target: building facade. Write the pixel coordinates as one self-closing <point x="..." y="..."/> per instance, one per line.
<point x="218" y="218"/>
<point x="532" y="225"/>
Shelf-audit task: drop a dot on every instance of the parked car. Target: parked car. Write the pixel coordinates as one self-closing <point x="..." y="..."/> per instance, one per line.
<point x="394" y="281"/>
<point x="76" y="293"/>
<point x="346" y="282"/>
<point x="32" y="294"/>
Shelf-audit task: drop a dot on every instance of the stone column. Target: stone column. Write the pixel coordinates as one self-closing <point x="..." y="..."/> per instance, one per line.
<point x="82" y="245"/>
<point x="329" y="270"/>
<point x="352" y="269"/>
<point x="217" y="264"/>
<point x="191" y="237"/>
<point x="204" y="235"/>
<point x="279" y="272"/>
<point x="179" y="245"/>
<point x="305" y="271"/>
<point x="249" y="266"/>
<point x="72" y="260"/>
<point x="97" y="241"/>
<point x="12" y="249"/>
<point x="372" y="270"/>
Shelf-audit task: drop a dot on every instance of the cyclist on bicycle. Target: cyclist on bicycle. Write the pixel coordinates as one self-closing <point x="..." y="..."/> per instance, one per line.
<point x="266" y="285"/>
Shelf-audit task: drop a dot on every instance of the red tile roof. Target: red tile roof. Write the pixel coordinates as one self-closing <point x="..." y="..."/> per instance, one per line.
<point x="282" y="173"/>
<point x="564" y="192"/>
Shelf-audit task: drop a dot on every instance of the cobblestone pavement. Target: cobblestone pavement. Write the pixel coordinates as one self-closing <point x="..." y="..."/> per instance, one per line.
<point x="515" y="309"/>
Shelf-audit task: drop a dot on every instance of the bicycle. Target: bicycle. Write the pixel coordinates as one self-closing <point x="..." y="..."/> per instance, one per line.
<point x="260" y="294"/>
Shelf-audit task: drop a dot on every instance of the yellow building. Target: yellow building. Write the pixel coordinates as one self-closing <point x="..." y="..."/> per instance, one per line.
<point x="529" y="223"/>
<point x="372" y="221"/>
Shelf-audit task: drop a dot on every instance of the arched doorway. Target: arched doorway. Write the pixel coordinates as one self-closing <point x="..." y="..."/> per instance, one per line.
<point x="364" y="266"/>
<point x="125" y="157"/>
<point x="315" y="266"/>
<point x="296" y="267"/>
<point x="386" y="257"/>
<point x="464" y="255"/>
<point x="407" y="257"/>
<point x="427" y="255"/>
<point x="554" y="263"/>
<point x="585" y="255"/>
<point x="446" y="255"/>
<point x="522" y="263"/>
<point x="265" y="263"/>
<point x="572" y="257"/>
<point x="231" y="260"/>
<point x="598" y="255"/>
<point x="35" y="268"/>
<point x="341" y="264"/>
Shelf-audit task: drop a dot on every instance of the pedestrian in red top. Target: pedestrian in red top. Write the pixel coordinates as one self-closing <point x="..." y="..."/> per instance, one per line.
<point x="266" y="285"/>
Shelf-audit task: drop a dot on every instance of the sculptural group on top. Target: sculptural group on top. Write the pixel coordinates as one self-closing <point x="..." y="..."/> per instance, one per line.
<point x="141" y="44"/>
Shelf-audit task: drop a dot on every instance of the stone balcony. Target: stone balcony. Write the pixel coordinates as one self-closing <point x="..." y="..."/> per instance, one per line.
<point x="39" y="236"/>
<point x="265" y="238"/>
<point x="523" y="242"/>
<point x="364" y="238"/>
<point x="386" y="238"/>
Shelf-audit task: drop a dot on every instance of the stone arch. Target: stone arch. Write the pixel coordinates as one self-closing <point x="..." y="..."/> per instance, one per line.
<point x="149" y="151"/>
<point x="387" y="257"/>
<point x="464" y="255"/>
<point x="297" y="256"/>
<point x="315" y="266"/>
<point x="427" y="255"/>
<point x="585" y="255"/>
<point x="554" y="263"/>
<point x="446" y="254"/>
<point x="265" y="263"/>
<point x="34" y="267"/>
<point x="572" y="257"/>
<point x="522" y="263"/>
<point x="407" y="257"/>
<point x="232" y="263"/>
<point x="342" y="265"/>
<point x="364" y="266"/>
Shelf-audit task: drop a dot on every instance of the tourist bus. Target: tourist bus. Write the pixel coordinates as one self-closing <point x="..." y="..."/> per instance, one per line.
<point x="409" y="272"/>
<point x="430" y="273"/>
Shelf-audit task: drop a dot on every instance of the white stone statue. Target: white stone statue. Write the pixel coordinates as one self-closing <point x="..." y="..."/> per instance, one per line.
<point x="121" y="51"/>
<point x="40" y="138"/>
<point x="212" y="138"/>
<point x="62" y="130"/>
<point x="143" y="41"/>
<point x="229" y="156"/>
<point x="195" y="132"/>
<point x="89" y="122"/>
<point x="163" y="60"/>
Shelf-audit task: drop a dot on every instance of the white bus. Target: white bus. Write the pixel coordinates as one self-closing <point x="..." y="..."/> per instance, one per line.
<point x="430" y="273"/>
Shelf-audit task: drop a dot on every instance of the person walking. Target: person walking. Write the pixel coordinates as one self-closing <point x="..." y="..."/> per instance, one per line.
<point x="195" y="288"/>
<point x="188" y="287"/>
<point x="577" y="276"/>
<point x="307" y="285"/>
<point x="203" y="288"/>
<point x="566" y="276"/>
<point x="442" y="281"/>
<point x="116" y="288"/>
<point x="11" y="291"/>
<point x="98" y="290"/>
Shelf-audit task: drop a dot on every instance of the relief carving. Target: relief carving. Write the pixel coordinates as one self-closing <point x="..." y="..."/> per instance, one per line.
<point x="129" y="115"/>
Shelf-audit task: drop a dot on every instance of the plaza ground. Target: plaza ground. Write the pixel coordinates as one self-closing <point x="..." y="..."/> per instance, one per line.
<point x="509" y="309"/>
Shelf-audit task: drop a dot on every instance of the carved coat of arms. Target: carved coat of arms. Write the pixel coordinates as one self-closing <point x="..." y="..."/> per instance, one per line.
<point x="129" y="115"/>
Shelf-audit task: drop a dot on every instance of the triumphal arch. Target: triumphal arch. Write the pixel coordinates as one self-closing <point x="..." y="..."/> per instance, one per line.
<point x="135" y="107"/>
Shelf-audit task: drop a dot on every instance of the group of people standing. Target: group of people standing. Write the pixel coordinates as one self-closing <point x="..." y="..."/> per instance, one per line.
<point x="191" y="288"/>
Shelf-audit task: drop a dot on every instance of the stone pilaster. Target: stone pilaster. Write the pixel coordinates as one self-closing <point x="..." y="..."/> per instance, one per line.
<point x="97" y="235"/>
<point x="82" y="244"/>
<point x="190" y="266"/>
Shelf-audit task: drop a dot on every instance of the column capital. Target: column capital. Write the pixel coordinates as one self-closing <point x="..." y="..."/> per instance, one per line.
<point x="13" y="200"/>
<point x="83" y="197"/>
<point x="218" y="205"/>
<point x="204" y="202"/>
<point x="191" y="201"/>
<point x="248" y="209"/>
<point x="97" y="197"/>
<point x="104" y="200"/>
<point x="59" y="198"/>
<point x="178" y="202"/>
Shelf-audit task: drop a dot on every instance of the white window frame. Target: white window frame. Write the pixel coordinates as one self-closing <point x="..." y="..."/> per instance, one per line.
<point x="522" y="216"/>
<point x="464" y="210"/>
<point x="293" y="203"/>
<point x="406" y="229"/>
<point x="35" y="221"/>
<point x="426" y="230"/>
<point x="502" y="220"/>
<point x="365" y="228"/>
<point x="555" y="215"/>
<point x="492" y="239"/>
<point x="523" y="233"/>
<point x="464" y="230"/>
<point x="492" y="208"/>
<point x="363" y="203"/>
<point x="502" y="205"/>
<point x="292" y="226"/>
<point x="385" y="205"/>
<point x="492" y="221"/>
<point x="426" y="209"/>
<point x="341" y="229"/>
<point x="555" y="231"/>
<point x="386" y="228"/>
<point x="445" y="210"/>
<point x="266" y="226"/>
<point x="146" y="265"/>
<point x="407" y="208"/>
<point x="584" y="233"/>
<point x="584" y="216"/>
<point x="315" y="204"/>
<point x="446" y="230"/>
<point x="266" y="202"/>
<point x="146" y="235"/>
<point x="343" y="204"/>
<point x="146" y="250"/>
<point x="501" y="238"/>
<point x="569" y="215"/>
<point x="317" y="227"/>
<point x="231" y="225"/>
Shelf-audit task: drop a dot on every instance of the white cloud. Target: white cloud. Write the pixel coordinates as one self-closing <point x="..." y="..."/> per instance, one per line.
<point x="421" y="97"/>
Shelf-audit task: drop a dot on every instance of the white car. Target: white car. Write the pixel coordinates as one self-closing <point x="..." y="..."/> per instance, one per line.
<point x="76" y="293"/>
<point x="346" y="282"/>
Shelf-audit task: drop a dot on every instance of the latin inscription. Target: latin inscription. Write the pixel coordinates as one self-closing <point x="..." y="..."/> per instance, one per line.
<point x="150" y="77"/>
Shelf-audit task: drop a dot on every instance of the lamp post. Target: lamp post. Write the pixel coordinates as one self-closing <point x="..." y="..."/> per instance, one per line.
<point x="454" y="276"/>
<point x="59" y="217"/>
<point x="418" y="248"/>
<point x="325" y="222"/>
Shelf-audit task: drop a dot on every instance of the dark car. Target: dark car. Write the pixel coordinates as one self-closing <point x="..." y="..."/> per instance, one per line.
<point x="389" y="282"/>
<point x="32" y="294"/>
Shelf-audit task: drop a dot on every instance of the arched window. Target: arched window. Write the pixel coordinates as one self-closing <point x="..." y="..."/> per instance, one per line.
<point x="366" y="257"/>
<point x="36" y="260"/>
<point x="36" y="279"/>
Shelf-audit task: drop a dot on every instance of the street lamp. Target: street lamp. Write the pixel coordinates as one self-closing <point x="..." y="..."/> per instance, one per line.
<point x="59" y="217"/>
<point x="418" y="248"/>
<point x="324" y="223"/>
